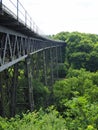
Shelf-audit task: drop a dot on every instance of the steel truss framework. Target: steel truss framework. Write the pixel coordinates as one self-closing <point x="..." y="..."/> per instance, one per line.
<point x="14" y="47"/>
<point x="39" y="58"/>
<point x="24" y="53"/>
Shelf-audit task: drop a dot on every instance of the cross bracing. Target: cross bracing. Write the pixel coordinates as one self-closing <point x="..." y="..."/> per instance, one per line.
<point x="23" y="48"/>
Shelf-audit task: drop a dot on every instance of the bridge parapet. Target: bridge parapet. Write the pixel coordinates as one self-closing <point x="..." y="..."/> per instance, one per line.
<point x="23" y="48"/>
<point x="15" y="47"/>
<point x="17" y="38"/>
<point x="17" y="10"/>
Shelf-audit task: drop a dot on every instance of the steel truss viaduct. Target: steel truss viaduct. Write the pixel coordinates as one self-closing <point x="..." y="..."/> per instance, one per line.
<point x="23" y="51"/>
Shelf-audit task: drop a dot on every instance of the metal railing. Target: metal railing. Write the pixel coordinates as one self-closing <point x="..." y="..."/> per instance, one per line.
<point x="15" y="8"/>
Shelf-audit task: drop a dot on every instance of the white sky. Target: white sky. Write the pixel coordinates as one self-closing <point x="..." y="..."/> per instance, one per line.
<point x="54" y="16"/>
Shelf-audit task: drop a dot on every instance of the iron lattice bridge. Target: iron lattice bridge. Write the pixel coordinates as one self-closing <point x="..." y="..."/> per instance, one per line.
<point x="24" y="52"/>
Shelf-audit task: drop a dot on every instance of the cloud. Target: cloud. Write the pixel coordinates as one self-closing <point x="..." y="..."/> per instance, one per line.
<point x="53" y="16"/>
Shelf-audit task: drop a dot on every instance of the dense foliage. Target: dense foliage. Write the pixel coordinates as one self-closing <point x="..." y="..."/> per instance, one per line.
<point x="74" y="98"/>
<point x="81" y="50"/>
<point x="49" y="120"/>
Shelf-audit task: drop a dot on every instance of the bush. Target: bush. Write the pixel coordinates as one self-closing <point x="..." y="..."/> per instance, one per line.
<point x="42" y="120"/>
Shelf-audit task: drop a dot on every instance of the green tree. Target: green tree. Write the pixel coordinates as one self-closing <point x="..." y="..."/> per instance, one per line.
<point x="92" y="63"/>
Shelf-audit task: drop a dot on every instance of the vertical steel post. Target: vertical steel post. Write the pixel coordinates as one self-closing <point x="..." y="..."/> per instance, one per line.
<point x="57" y="61"/>
<point x="51" y="66"/>
<point x="30" y="86"/>
<point x="1" y="11"/>
<point x="17" y="9"/>
<point x="30" y="23"/>
<point x="61" y="54"/>
<point x="25" y="17"/>
<point x="38" y="54"/>
<point x="1" y="98"/>
<point x="14" y="89"/>
<point x="0" y="6"/>
<point x="44" y="67"/>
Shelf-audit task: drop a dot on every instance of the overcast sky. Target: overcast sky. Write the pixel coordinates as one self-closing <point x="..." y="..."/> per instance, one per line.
<point x="54" y="16"/>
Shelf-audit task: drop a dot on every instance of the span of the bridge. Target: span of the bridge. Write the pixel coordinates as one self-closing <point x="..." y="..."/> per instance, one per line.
<point x="24" y="49"/>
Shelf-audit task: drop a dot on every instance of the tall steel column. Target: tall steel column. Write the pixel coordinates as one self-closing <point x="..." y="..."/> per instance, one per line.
<point x="35" y="61"/>
<point x="38" y="65"/>
<point x="51" y="65"/>
<point x="5" y="93"/>
<point x="1" y="97"/>
<point x="14" y="90"/>
<point x="30" y="85"/>
<point x="24" y="55"/>
<point x="44" y="67"/>
<point x="47" y="67"/>
<point x="57" y="67"/>
<point x="0" y="6"/>
<point x="61" y="60"/>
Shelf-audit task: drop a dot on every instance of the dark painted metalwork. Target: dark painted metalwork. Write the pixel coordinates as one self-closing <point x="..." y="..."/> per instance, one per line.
<point x="22" y="45"/>
<point x="0" y="6"/>
<point x="30" y="87"/>
<point x="14" y="89"/>
<point x="14" y="47"/>
<point x="45" y="67"/>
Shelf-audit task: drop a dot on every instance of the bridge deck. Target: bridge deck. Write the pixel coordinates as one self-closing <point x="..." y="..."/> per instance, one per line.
<point x="24" y="48"/>
<point x="9" y="20"/>
<point x="18" y="40"/>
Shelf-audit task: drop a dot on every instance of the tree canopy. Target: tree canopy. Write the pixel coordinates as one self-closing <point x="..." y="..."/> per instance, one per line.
<point x="81" y="50"/>
<point x="74" y="97"/>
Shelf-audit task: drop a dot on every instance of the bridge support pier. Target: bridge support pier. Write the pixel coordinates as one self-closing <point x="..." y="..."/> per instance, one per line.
<point x="1" y="98"/>
<point x="25" y="55"/>
<point x="14" y="90"/>
<point x="8" y="92"/>
<point x="0" y="6"/>
<point x="60" y="54"/>
<point x="44" y="67"/>
<point x="51" y="66"/>
<point x="30" y="85"/>
<point x="57" y="67"/>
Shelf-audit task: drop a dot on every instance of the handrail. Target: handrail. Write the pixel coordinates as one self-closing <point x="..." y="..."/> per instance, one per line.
<point x="21" y="14"/>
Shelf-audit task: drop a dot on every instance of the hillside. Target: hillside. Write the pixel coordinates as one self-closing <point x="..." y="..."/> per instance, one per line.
<point x="74" y="104"/>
